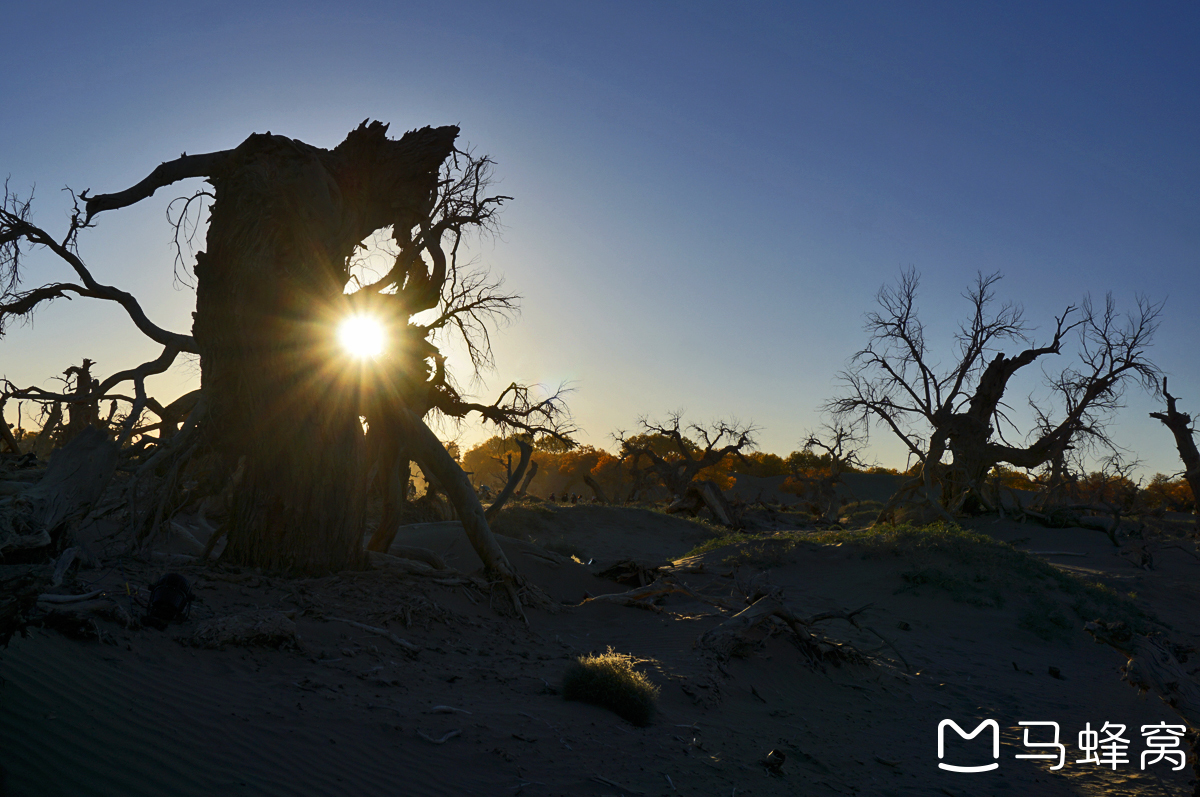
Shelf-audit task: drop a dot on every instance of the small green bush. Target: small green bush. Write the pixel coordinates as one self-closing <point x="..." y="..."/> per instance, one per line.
<point x="609" y="680"/>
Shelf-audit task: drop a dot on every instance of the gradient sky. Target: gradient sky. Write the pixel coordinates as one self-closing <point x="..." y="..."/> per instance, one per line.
<point x="707" y="196"/>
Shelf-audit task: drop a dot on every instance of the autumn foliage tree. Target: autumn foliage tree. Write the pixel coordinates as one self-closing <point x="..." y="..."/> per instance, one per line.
<point x="560" y="470"/>
<point x="661" y="453"/>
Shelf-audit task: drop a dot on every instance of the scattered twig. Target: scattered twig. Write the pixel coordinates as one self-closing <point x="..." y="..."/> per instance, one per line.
<point x="447" y="710"/>
<point x="894" y="649"/>
<point x="615" y="785"/>
<point x="409" y="647"/>
<point x="447" y="737"/>
<point x="670" y="782"/>
<point x="1180" y="547"/>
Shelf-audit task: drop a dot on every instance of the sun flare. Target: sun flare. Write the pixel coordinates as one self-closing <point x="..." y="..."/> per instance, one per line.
<point x="361" y="336"/>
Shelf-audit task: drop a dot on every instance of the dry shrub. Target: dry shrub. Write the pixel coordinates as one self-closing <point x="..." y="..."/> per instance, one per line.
<point x="609" y="680"/>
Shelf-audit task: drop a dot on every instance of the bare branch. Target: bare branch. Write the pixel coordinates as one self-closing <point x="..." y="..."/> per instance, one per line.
<point x="182" y="168"/>
<point x="517" y="409"/>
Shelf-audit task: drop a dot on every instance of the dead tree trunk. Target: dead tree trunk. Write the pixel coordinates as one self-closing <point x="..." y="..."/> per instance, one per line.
<point x="84" y="412"/>
<point x="269" y="295"/>
<point x="533" y="469"/>
<point x="597" y="490"/>
<point x="1180" y="424"/>
<point x="395" y="497"/>
<point x="45" y="438"/>
<point x="282" y="404"/>
<point x="6" y="435"/>
<point x="513" y="479"/>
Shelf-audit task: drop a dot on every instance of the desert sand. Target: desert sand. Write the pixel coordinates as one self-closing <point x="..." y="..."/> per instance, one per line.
<point x="459" y="699"/>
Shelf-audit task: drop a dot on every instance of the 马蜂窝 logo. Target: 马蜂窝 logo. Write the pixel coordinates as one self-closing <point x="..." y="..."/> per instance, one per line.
<point x="995" y="726"/>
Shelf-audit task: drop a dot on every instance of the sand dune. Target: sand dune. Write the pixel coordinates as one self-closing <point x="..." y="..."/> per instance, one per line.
<point x="344" y="713"/>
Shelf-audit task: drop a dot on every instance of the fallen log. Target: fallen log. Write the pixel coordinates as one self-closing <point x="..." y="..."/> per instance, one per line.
<point x="74" y="481"/>
<point x="49" y="598"/>
<point x="704" y="493"/>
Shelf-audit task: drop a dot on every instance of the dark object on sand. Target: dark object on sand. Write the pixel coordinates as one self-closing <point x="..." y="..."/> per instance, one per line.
<point x="774" y="761"/>
<point x="20" y="586"/>
<point x="170" y="598"/>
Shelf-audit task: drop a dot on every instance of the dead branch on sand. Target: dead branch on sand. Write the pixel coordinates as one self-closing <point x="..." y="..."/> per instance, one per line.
<point x="447" y="737"/>
<point x="405" y="645"/>
<point x="732" y="637"/>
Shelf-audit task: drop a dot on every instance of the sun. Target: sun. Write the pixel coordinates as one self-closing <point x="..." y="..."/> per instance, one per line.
<point x="361" y="336"/>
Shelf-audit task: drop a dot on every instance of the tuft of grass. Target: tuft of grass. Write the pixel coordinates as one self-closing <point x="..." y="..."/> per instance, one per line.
<point x="610" y="681"/>
<point x="766" y="552"/>
<point x="720" y="541"/>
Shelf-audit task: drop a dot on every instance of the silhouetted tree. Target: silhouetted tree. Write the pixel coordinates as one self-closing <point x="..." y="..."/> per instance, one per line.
<point x="280" y="405"/>
<point x="1180" y="424"/>
<point x="896" y="381"/>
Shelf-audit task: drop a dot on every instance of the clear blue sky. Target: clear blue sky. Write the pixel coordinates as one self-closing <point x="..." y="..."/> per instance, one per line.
<point x="707" y="196"/>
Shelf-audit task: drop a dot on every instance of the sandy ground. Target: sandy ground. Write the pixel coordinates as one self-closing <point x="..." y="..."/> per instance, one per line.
<point x="347" y="711"/>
